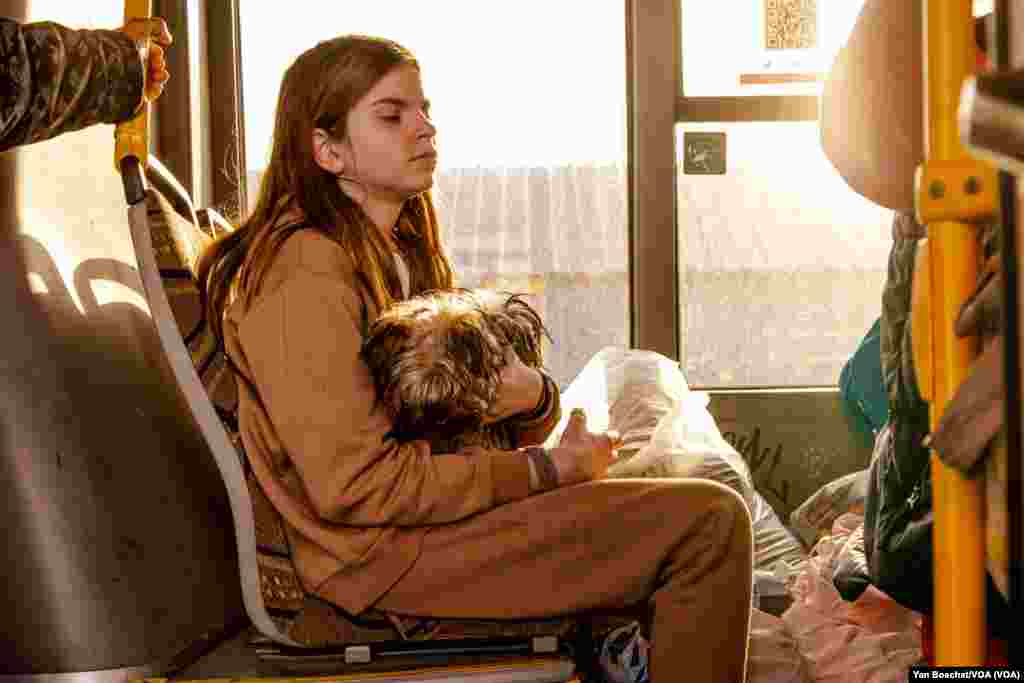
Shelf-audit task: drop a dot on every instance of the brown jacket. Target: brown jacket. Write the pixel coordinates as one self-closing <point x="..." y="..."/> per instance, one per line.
<point x="356" y="504"/>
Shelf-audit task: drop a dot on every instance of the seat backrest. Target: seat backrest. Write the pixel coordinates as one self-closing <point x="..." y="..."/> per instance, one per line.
<point x="167" y="254"/>
<point x="117" y="538"/>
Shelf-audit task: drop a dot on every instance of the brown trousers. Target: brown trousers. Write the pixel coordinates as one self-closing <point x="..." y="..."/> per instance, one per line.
<point x="685" y="545"/>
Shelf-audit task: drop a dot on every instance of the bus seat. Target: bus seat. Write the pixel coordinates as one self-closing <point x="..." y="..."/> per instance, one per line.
<point x="294" y="626"/>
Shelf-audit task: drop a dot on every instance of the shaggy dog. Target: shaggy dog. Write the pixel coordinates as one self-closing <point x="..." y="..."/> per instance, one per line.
<point x="436" y="361"/>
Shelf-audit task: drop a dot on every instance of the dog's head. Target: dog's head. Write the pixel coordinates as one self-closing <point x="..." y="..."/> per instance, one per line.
<point x="436" y="359"/>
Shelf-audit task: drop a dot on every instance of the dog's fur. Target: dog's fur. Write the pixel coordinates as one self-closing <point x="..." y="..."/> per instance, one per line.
<point x="436" y="359"/>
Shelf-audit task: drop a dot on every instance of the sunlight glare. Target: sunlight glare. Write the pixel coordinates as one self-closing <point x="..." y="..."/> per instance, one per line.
<point x="509" y="85"/>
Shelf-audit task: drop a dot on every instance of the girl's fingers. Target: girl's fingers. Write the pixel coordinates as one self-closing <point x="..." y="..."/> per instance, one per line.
<point x="576" y="426"/>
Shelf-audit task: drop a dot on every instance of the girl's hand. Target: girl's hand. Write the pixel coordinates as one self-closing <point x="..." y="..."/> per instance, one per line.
<point x="583" y="455"/>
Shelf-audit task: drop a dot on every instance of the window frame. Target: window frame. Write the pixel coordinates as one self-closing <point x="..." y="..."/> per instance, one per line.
<point x="201" y="110"/>
<point x="657" y="94"/>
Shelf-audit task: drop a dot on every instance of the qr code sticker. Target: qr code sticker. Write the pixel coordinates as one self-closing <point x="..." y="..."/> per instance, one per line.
<point x="791" y="24"/>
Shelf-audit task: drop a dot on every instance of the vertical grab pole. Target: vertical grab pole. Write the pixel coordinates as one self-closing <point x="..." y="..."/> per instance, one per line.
<point x="131" y="138"/>
<point x="958" y="540"/>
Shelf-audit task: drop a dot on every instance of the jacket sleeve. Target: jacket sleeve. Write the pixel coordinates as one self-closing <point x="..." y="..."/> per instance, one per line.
<point x="302" y="344"/>
<point x="897" y="359"/>
<point x="54" y="80"/>
<point x="534" y="429"/>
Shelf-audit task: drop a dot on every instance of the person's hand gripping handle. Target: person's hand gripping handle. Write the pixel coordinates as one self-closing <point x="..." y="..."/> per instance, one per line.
<point x="151" y="36"/>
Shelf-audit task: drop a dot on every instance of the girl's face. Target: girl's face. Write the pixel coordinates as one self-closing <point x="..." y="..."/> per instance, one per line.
<point x="390" y="146"/>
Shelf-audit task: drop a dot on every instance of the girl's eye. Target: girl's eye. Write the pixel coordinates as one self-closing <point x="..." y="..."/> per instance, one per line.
<point x="394" y="119"/>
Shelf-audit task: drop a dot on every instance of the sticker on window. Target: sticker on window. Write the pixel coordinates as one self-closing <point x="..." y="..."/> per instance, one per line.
<point x="704" y="153"/>
<point x="791" y="24"/>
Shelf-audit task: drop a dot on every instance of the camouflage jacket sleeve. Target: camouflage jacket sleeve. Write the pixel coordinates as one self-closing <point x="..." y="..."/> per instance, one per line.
<point x="897" y="358"/>
<point x="55" y="80"/>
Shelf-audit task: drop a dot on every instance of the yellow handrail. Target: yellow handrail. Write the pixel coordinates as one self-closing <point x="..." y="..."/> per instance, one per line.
<point x="131" y="137"/>
<point x="949" y="184"/>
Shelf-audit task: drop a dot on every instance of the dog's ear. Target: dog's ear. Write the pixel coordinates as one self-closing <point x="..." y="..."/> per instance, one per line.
<point x="474" y="352"/>
<point x="382" y="342"/>
<point x="386" y="341"/>
<point x="472" y="346"/>
<point x="524" y="330"/>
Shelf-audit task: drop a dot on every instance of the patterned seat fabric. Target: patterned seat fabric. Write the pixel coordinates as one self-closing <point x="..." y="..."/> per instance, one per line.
<point x="304" y="618"/>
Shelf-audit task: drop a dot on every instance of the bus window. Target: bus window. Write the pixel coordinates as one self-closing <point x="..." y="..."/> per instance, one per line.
<point x="772" y="47"/>
<point x="781" y="264"/>
<point x="530" y="109"/>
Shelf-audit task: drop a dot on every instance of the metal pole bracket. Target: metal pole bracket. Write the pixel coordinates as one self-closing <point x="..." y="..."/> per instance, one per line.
<point x="962" y="190"/>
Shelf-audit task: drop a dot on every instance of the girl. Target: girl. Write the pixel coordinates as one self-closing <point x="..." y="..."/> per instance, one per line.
<point x="344" y="226"/>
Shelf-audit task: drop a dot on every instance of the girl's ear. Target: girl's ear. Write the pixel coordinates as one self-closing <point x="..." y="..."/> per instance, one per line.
<point x="327" y="152"/>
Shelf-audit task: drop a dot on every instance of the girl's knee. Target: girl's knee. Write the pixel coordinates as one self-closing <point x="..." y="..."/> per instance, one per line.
<point x="681" y="508"/>
<point x="735" y="508"/>
<point x="712" y="495"/>
<point x="726" y="511"/>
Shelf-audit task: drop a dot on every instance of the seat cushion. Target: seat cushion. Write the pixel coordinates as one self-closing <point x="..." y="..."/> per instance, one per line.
<point x="315" y="623"/>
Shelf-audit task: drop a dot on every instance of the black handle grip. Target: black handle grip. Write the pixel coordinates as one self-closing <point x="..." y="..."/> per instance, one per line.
<point x="134" y="180"/>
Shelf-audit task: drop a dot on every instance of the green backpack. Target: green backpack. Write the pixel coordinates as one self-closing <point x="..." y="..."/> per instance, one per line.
<point x="863" y="389"/>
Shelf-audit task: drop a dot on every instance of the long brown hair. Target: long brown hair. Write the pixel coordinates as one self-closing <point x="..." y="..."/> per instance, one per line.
<point x="318" y="91"/>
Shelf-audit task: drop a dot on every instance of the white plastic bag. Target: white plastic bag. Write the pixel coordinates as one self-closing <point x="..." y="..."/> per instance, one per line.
<point x="668" y="431"/>
<point x="773" y="655"/>
<point x="624" y="389"/>
<point x="776" y="548"/>
<point x="870" y="640"/>
<point x="687" y="443"/>
<point x="815" y="516"/>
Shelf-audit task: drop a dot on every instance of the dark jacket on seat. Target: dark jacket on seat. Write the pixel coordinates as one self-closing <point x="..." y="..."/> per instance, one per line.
<point x="898" y="512"/>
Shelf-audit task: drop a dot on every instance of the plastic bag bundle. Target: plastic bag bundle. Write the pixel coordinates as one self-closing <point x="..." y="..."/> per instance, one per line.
<point x="851" y="576"/>
<point x="870" y="640"/>
<point x="625" y="654"/>
<point x="668" y="431"/>
<point x="773" y="656"/>
<point x="773" y="542"/>
<point x="628" y="390"/>
<point x="687" y="443"/>
<point x="815" y="516"/>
